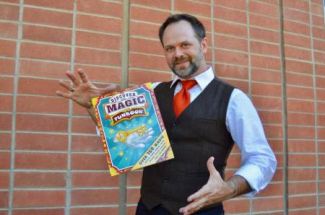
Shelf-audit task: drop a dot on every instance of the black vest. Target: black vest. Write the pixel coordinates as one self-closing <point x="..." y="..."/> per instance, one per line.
<point x="198" y="133"/>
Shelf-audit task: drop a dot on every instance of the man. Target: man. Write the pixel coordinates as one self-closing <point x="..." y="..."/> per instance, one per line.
<point x="203" y="117"/>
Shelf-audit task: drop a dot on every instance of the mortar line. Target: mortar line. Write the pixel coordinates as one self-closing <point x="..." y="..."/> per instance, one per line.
<point x="14" y="109"/>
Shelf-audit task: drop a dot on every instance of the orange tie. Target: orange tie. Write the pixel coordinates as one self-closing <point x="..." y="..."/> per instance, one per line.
<point x="182" y="98"/>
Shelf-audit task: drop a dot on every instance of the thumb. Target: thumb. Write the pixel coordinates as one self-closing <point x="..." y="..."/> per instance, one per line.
<point x="211" y="166"/>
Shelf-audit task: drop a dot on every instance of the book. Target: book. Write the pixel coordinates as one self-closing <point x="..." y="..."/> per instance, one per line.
<point x="132" y="129"/>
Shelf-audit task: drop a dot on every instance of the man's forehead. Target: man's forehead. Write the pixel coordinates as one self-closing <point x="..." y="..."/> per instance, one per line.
<point x="181" y="30"/>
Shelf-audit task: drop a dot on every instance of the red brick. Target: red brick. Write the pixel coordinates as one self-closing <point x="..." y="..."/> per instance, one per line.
<point x="9" y="12"/>
<point x="265" y="48"/>
<point x="297" y="40"/>
<point x="295" y="27"/>
<point x="98" y="197"/>
<point x="229" y="14"/>
<point x="268" y="103"/>
<point x="39" y="179"/>
<point x="267" y="204"/>
<point x="83" y="125"/>
<point x="134" y="178"/>
<point x="102" y="74"/>
<point x="226" y="42"/>
<point x="301" y="188"/>
<point x="33" y="86"/>
<point x="139" y="76"/>
<point x="319" y="57"/>
<point x="4" y="160"/>
<point x="5" y="141"/>
<point x="237" y="206"/>
<point x="226" y="70"/>
<point x="47" y="52"/>
<point x="236" y="4"/>
<point x="8" y="30"/>
<point x="271" y="117"/>
<point x="306" y="146"/>
<point x="94" y="179"/>
<point x="47" y="17"/>
<point x="237" y="58"/>
<point x="303" y="211"/>
<point x="8" y="48"/>
<point x="264" y="35"/>
<point x="301" y="119"/>
<point x="4" y="199"/>
<point x="301" y="106"/>
<point x="91" y="210"/>
<point x="265" y="62"/>
<point x="299" y="5"/>
<point x="99" y="24"/>
<point x="301" y="132"/>
<point x="51" y="142"/>
<point x="131" y="209"/>
<point x="154" y="4"/>
<point x="86" y="143"/>
<point x="148" y="62"/>
<point x="145" y="46"/>
<point x="100" y="7"/>
<point x="317" y="21"/>
<point x="273" y="131"/>
<point x="38" y="211"/>
<point x="60" y="4"/>
<point x="5" y="103"/>
<point x="97" y="40"/>
<point x="36" y="104"/>
<point x="89" y="162"/>
<point x="7" y="67"/>
<point x="299" y="67"/>
<point x="296" y="15"/>
<point x="300" y="92"/>
<point x="321" y="107"/>
<point x="296" y="53"/>
<point x="266" y="89"/>
<point x="318" y="32"/>
<point x="230" y="29"/>
<point x="148" y="14"/>
<point x="263" y="8"/>
<point x="264" y="22"/>
<point x="40" y="198"/>
<point x="47" y="34"/>
<point x="43" y="69"/>
<point x="192" y="7"/>
<point x="263" y="75"/>
<point x="317" y="8"/>
<point x="34" y="160"/>
<point x="98" y="57"/>
<point x="6" y="84"/>
<point x="133" y="195"/>
<point x="5" y="122"/>
<point x="143" y="29"/>
<point x="302" y="160"/>
<point x="41" y="123"/>
<point x="240" y="84"/>
<point x="321" y="120"/>
<point x="301" y="174"/>
<point x="4" y="180"/>
<point x="302" y="201"/>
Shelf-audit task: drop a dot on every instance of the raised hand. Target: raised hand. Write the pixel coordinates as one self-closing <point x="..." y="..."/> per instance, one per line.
<point x="81" y="90"/>
<point x="214" y="191"/>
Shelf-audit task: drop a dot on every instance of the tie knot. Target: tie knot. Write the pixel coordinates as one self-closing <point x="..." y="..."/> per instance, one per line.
<point x="188" y="84"/>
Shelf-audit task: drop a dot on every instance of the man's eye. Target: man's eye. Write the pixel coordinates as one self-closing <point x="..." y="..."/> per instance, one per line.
<point x="169" y="49"/>
<point x="186" y="45"/>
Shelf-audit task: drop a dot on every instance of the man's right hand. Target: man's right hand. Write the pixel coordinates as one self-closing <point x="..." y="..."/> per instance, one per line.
<point x="81" y="90"/>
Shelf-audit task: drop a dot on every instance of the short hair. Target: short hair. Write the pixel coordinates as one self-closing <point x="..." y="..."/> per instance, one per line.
<point x="197" y="26"/>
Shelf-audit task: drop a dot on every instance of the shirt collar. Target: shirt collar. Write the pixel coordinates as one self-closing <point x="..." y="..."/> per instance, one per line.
<point x="202" y="79"/>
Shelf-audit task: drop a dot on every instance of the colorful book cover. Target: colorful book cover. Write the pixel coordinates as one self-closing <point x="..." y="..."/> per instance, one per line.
<point x="132" y="130"/>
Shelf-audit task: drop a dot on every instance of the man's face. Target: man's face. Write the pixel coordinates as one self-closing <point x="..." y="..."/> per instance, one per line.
<point x="183" y="51"/>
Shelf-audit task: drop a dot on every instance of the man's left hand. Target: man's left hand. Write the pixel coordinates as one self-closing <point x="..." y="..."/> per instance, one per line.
<point x="214" y="191"/>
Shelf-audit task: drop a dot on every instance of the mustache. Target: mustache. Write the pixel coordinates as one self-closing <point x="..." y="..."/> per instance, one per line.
<point x="181" y="59"/>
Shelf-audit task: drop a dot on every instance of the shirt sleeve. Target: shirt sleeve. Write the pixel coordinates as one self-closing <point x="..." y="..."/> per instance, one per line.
<point x="258" y="162"/>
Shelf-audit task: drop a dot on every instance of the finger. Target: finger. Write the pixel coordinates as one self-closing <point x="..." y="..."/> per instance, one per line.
<point x="66" y="85"/>
<point x="193" y="207"/>
<point x="212" y="169"/>
<point x="83" y="76"/>
<point x="62" y="94"/>
<point x="73" y="78"/>
<point x="204" y="191"/>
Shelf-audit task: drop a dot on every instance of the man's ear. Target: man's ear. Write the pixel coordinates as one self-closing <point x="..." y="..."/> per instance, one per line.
<point x="204" y="44"/>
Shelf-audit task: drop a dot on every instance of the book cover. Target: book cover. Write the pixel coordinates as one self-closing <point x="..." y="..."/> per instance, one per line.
<point x="131" y="129"/>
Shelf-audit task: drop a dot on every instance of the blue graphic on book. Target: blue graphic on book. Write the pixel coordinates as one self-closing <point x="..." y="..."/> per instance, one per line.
<point x="132" y="127"/>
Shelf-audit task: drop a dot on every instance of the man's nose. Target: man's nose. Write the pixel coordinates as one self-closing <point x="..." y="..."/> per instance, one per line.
<point x="178" y="52"/>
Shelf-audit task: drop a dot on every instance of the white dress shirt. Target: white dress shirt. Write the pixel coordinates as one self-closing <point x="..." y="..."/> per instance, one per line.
<point x="258" y="163"/>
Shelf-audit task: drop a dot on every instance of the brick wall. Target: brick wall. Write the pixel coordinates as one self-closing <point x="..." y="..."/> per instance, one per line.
<point x="51" y="161"/>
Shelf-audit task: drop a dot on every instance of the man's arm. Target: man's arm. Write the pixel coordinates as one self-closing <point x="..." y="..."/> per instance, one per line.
<point x="81" y="90"/>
